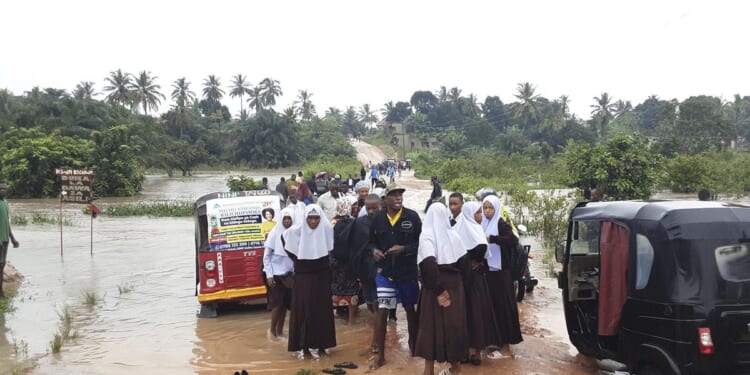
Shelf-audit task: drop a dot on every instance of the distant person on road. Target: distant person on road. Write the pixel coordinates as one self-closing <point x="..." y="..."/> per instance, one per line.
<point x="437" y="192"/>
<point x="362" y="173"/>
<point x="282" y="189"/>
<point x="597" y="195"/>
<point x="704" y="195"/>
<point x="6" y="234"/>
<point x="292" y="181"/>
<point x="264" y="183"/>
<point x="374" y="176"/>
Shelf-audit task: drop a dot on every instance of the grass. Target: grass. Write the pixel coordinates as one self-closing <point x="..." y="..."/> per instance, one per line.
<point x="56" y="343"/>
<point x="37" y="218"/>
<point x="155" y="209"/>
<point x="304" y="371"/>
<point x="90" y="299"/>
<point x="125" y="288"/>
<point x="65" y="330"/>
<point x="6" y="304"/>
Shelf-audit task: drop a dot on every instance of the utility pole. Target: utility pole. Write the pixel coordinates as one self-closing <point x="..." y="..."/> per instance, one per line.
<point x="403" y="140"/>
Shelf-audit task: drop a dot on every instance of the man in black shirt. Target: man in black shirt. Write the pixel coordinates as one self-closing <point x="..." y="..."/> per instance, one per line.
<point x="394" y="239"/>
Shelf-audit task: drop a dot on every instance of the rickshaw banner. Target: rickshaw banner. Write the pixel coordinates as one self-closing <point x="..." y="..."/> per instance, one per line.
<point x="240" y="223"/>
<point x="75" y="184"/>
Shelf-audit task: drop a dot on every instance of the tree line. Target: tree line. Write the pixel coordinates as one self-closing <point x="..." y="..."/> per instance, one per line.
<point x="116" y="132"/>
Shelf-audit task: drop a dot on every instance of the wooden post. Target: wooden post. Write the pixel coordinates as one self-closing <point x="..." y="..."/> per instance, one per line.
<point x="62" y="193"/>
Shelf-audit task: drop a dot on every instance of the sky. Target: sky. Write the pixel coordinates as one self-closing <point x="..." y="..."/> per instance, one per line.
<point x="356" y="52"/>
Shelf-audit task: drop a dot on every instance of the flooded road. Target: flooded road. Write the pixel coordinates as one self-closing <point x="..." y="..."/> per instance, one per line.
<point x="144" y="320"/>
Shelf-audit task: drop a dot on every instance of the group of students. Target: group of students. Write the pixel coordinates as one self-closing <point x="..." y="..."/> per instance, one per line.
<point x="466" y="304"/>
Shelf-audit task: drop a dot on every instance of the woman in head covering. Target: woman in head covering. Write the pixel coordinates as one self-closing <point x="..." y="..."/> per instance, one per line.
<point x="344" y="285"/>
<point x="480" y="315"/>
<point x="308" y="243"/>
<point x="501" y="241"/>
<point x="279" y="269"/>
<point x="362" y="189"/>
<point x="442" y="334"/>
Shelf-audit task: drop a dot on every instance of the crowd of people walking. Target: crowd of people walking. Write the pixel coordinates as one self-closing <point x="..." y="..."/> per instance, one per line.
<point x="448" y="273"/>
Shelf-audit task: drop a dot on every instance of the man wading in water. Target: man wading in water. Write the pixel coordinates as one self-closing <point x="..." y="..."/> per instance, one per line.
<point x="5" y="233"/>
<point x="394" y="240"/>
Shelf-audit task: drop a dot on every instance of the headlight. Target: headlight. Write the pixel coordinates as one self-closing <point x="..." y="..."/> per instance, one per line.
<point x="210" y="283"/>
<point x="210" y="265"/>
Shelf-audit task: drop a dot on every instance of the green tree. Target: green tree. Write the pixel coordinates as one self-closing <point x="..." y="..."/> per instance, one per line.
<point x="212" y="94"/>
<point x="84" y="91"/>
<point x="119" y="86"/>
<point x="528" y="110"/>
<point x="396" y="113"/>
<point x="423" y="101"/>
<point x="182" y="95"/>
<point x="306" y="107"/>
<point x="255" y="99"/>
<point x="453" y="144"/>
<point x="271" y="90"/>
<point x="240" y="87"/>
<point x="145" y="92"/>
<point x="117" y="169"/>
<point x="366" y="115"/>
<point x="350" y="123"/>
<point x="268" y="141"/>
<point x="624" y="168"/>
<point x="602" y="113"/>
<point x="185" y="156"/>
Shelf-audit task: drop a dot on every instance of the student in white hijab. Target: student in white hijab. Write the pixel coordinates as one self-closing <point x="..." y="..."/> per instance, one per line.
<point x="442" y="334"/>
<point x="308" y="243"/>
<point x="482" y="328"/>
<point x="501" y="241"/>
<point x="278" y="268"/>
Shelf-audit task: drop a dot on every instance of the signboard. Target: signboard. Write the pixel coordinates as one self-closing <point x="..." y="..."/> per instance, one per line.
<point x="76" y="185"/>
<point x="241" y="222"/>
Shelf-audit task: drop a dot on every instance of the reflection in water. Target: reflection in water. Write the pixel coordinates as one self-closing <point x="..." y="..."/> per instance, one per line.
<point x="143" y="271"/>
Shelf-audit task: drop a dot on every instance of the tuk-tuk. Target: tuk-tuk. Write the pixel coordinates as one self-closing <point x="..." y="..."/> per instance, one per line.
<point x="660" y="287"/>
<point x="230" y="233"/>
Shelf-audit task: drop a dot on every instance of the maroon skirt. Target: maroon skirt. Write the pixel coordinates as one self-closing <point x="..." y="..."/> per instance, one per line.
<point x="503" y="299"/>
<point x="483" y="330"/>
<point x="280" y="294"/>
<point x="442" y="334"/>
<point x="311" y="323"/>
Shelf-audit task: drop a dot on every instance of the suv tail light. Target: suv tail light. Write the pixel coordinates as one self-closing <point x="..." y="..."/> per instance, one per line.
<point x="705" y="342"/>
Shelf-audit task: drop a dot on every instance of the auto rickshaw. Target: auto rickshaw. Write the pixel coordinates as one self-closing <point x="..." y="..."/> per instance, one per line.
<point x="230" y="233"/>
<point x="660" y="287"/>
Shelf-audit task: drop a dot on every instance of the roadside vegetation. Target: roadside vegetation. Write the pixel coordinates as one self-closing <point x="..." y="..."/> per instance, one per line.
<point x="37" y="218"/>
<point x="153" y="209"/>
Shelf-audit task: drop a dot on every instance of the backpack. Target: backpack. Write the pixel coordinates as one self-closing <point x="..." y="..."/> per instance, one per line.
<point x="342" y="233"/>
<point x="519" y="260"/>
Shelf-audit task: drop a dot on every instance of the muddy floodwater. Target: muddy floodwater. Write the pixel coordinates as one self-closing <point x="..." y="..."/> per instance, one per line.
<point x="144" y="320"/>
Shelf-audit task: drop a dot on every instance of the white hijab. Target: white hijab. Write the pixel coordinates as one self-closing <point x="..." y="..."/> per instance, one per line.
<point x="273" y="241"/>
<point x="468" y="229"/>
<point x="307" y="243"/>
<point x="438" y="239"/>
<point x="490" y="227"/>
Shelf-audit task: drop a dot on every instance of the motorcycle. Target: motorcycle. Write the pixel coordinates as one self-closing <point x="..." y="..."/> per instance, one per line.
<point x="526" y="282"/>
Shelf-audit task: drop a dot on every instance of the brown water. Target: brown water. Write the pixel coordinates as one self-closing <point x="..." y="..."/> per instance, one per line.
<point x="152" y="328"/>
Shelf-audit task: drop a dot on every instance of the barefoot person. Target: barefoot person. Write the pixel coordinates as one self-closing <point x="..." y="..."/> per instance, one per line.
<point x="479" y="313"/>
<point x="279" y="269"/>
<point x="442" y="335"/>
<point x="308" y="243"/>
<point x="501" y="240"/>
<point x="394" y="239"/>
<point x="6" y="234"/>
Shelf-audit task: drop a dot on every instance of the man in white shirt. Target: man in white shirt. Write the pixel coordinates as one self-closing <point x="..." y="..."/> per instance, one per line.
<point x="327" y="201"/>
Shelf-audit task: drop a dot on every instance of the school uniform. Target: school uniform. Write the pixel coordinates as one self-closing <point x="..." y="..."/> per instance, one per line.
<point x="442" y="334"/>
<point x="311" y="323"/>
<point x="278" y="265"/>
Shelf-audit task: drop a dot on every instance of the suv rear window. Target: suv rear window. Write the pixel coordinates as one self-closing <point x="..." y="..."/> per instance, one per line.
<point x="733" y="262"/>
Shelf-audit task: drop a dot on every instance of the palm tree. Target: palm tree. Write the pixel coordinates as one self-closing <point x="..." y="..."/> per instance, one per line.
<point x="212" y="89"/>
<point x="119" y="88"/>
<point x="306" y="107"/>
<point x="240" y="87"/>
<point x="469" y="106"/>
<point x="565" y="104"/>
<point x="146" y="92"/>
<point x="528" y="110"/>
<point x="366" y="115"/>
<point x="455" y="95"/>
<point x="84" y="91"/>
<point x="255" y="99"/>
<point x="182" y="94"/>
<point x="290" y="113"/>
<point x="442" y="94"/>
<point x="622" y="107"/>
<point x="271" y="89"/>
<point x="602" y="112"/>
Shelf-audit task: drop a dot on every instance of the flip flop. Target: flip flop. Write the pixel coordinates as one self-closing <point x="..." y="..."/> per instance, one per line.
<point x="496" y="355"/>
<point x="445" y="371"/>
<point x="334" y="371"/>
<point x="349" y="365"/>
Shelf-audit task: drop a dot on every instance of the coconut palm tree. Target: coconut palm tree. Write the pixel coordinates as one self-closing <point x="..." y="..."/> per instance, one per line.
<point x="271" y="90"/>
<point x="366" y="115"/>
<point x="182" y="94"/>
<point x="255" y="99"/>
<point x="455" y="95"/>
<point x="119" y="88"/>
<point x="290" y="113"/>
<point x="528" y="110"/>
<point x="565" y="106"/>
<point x="306" y="107"/>
<point x="442" y="94"/>
<point x="84" y="91"/>
<point x="212" y="89"/>
<point x="146" y="92"/>
<point x="622" y="107"/>
<point x="240" y="87"/>
<point x="602" y="112"/>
